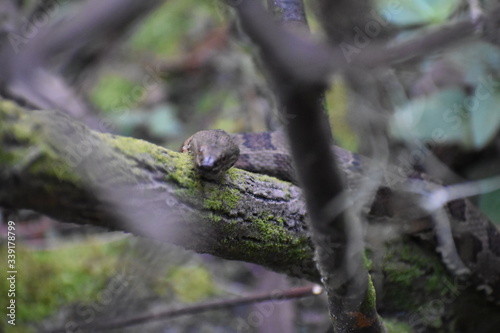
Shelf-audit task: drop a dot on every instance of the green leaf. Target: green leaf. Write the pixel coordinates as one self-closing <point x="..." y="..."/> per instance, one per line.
<point x="440" y="117"/>
<point x="126" y="121"/>
<point x="112" y="92"/>
<point x="163" y="121"/>
<point x="171" y="25"/>
<point x="452" y="115"/>
<point x="485" y="117"/>
<point x="478" y="61"/>
<point x="489" y="203"/>
<point x="413" y="12"/>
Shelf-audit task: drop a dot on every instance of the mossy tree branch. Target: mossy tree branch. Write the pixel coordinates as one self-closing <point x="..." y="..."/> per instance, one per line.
<point x="59" y="167"/>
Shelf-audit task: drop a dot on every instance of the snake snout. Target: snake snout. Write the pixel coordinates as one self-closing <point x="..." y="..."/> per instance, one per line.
<point x="207" y="163"/>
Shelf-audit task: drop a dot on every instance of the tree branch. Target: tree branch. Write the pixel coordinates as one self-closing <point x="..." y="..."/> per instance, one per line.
<point x="312" y="61"/>
<point x="62" y="169"/>
<point x="336" y="236"/>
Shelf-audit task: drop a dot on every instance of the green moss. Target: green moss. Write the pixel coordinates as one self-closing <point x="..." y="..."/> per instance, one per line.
<point x="216" y="198"/>
<point x="408" y="267"/>
<point x="434" y="282"/>
<point x="184" y="174"/>
<point x="266" y="178"/>
<point x="367" y="260"/>
<point x="9" y="108"/>
<point x="370" y="301"/>
<point x="401" y="276"/>
<point x="280" y="221"/>
<point x="280" y="251"/>
<point x="170" y="26"/>
<point x="150" y="153"/>
<point x="128" y="145"/>
<point x="394" y="326"/>
<point x="190" y="283"/>
<point x="214" y="217"/>
<point x="72" y="273"/>
<point x="114" y="92"/>
<point x="233" y="175"/>
<point x="270" y="238"/>
<point x="34" y="149"/>
<point x="266" y="226"/>
<point x="413" y="264"/>
<point x="402" y="273"/>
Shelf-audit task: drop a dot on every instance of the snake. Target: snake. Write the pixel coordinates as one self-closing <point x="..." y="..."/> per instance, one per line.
<point x="468" y="242"/>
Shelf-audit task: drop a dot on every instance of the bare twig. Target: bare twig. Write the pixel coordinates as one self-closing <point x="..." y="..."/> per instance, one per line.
<point x="294" y="293"/>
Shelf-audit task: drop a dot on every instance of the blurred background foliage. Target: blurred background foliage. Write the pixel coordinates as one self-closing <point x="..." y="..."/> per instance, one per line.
<point x="181" y="70"/>
<point x="185" y="68"/>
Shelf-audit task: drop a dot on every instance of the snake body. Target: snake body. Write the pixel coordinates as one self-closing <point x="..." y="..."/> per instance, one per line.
<point x="471" y="248"/>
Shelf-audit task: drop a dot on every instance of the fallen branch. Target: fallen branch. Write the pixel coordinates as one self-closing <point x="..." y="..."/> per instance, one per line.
<point x="61" y="168"/>
<point x="104" y="325"/>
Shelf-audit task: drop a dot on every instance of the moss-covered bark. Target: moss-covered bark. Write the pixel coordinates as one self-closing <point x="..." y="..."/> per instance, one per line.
<point x="54" y="165"/>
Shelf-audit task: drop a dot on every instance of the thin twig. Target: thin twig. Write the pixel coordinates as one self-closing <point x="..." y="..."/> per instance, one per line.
<point x="294" y="293"/>
<point x="443" y="195"/>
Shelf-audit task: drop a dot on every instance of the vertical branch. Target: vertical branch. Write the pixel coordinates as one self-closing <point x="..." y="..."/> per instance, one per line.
<point x="341" y="18"/>
<point x="288" y="12"/>
<point x="291" y="14"/>
<point x="336" y="233"/>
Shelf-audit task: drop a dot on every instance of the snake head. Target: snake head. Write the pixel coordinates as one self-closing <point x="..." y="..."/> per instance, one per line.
<point x="214" y="152"/>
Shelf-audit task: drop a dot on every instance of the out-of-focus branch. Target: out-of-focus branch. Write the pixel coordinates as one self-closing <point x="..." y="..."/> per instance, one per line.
<point x="312" y="61"/>
<point x="294" y="293"/>
<point x="336" y="236"/>
<point x="31" y="45"/>
<point x="340" y="18"/>
<point x="96" y="21"/>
